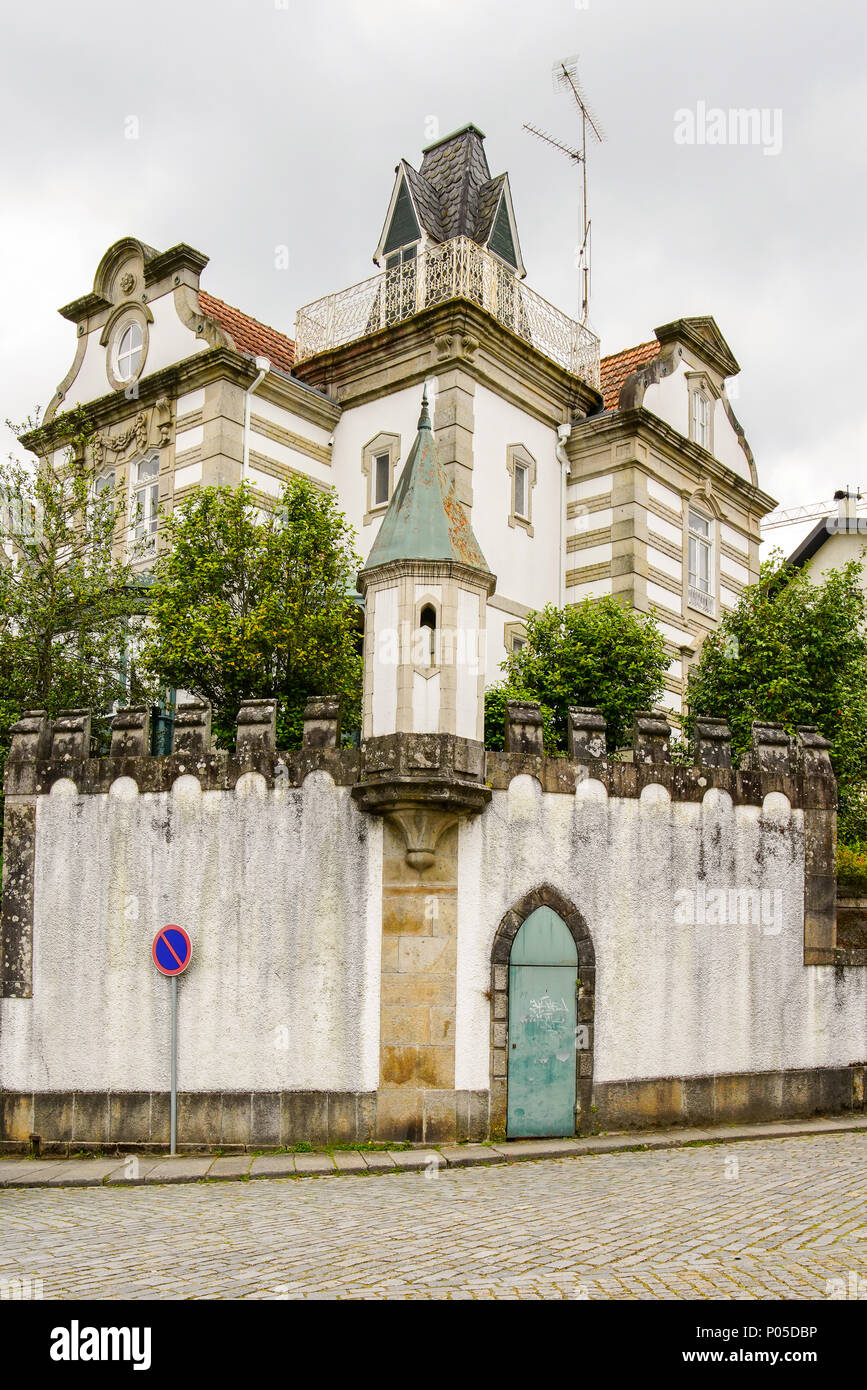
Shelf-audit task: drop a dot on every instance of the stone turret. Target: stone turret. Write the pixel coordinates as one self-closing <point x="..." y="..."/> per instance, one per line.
<point x="425" y="587"/>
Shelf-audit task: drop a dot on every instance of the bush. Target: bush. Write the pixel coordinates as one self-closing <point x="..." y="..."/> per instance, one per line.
<point x="495" y="717"/>
<point x="597" y="652"/>
<point x="852" y="869"/>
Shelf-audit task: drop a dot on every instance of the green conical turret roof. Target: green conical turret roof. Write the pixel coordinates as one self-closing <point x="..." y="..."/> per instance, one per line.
<point x="425" y="520"/>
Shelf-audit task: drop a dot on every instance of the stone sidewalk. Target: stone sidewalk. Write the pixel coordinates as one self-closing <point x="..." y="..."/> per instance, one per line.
<point x="130" y="1170"/>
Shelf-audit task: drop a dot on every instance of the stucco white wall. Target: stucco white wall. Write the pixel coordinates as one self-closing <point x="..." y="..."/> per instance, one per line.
<point x="392" y="414"/>
<point x="296" y="459"/>
<point x="169" y="341"/>
<point x="837" y="551"/>
<point x="527" y="567"/>
<point x="280" y="892"/>
<point x="670" y="999"/>
<point x="669" y="399"/>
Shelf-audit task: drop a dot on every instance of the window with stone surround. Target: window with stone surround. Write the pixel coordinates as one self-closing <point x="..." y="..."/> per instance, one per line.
<point x="379" y="460"/>
<point x="700" y="537"/>
<point x="701" y="403"/>
<point x="521" y="468"/>
<point x="514" y="636"/>
<point x="145" y="504"/>
<point x="125" y="339"/>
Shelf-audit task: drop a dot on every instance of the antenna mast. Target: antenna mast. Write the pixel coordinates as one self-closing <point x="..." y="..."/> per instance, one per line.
<point x="565" y="76"/>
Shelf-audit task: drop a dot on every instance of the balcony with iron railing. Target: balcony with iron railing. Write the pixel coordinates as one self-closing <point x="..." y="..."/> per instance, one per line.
<point x="456" y="269"/>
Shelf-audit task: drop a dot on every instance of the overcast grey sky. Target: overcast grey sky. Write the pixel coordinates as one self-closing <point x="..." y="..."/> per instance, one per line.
<point x="271" y="122"/>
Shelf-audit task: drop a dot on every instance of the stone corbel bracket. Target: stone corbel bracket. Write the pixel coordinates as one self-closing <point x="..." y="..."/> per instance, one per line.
<point x="421" y="828"/>
<point x="423" y="784"/>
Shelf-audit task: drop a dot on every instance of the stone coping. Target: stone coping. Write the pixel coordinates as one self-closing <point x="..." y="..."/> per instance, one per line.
<point x="221" y="771"/>
<point x="133" y="1170"/>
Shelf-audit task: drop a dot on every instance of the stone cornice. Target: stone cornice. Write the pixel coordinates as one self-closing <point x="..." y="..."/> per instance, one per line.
<point x="426" y="570"/>
<point x="177" y="258"/>
<point x="675" y="447"/>
<point x="182" y="377"/>
<point x="84" y="307"/>
<point x="709" y="345"/>
<point x="454" y="335"/>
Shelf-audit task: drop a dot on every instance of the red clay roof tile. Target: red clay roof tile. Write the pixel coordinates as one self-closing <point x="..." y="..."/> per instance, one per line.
<point x="615" y="369"/>
<point x="248" y="334"/>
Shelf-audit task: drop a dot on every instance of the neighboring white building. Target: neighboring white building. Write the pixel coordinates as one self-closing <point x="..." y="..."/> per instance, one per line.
<point x="834" y="541"/>
<point x="628" y="476"/>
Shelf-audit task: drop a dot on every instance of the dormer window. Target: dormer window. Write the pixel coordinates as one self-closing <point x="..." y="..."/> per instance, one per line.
<point x="403" y="233"/>
<point x="501" y="240"/>
<point x="400" y="283"/>
<point x="701" y="402"/>
<point x="398" y="258"/>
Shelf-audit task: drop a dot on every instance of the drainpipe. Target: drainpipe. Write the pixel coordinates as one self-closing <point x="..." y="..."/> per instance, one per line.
<point x="563" y="433"/>
<point x="263" y="367"/>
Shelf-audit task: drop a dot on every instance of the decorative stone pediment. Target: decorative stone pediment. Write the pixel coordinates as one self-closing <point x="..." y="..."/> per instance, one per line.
<point x="150" y="428"/>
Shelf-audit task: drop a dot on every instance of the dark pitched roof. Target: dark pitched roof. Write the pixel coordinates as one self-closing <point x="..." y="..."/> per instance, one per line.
<point x="453" y="195"/>
<point x="456" y="168"/>
<point x="489" y="198"/>
<point x="248" y="334"/>
<point x="810" y="544"/>
<point x="425" y="197"/>
<point x="614" y="369"/>
<point x="425" y="520"/>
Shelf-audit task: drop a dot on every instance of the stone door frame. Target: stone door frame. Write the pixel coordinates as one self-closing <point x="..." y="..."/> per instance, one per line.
<point x="510" y="925"/>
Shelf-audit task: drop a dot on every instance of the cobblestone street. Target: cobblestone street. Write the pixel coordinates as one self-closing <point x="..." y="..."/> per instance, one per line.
<point x="759" y="1220"/>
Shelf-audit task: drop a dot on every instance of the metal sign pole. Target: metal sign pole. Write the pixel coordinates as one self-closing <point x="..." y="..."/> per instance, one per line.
<point x="174" y="1099"/>
<point x="171" y="951"/>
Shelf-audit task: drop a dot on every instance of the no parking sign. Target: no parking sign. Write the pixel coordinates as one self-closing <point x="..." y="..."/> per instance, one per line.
<point x="171" y="951"/>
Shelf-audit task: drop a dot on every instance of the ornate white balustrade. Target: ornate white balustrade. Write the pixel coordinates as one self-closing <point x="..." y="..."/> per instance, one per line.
<point x="456" y="269"/>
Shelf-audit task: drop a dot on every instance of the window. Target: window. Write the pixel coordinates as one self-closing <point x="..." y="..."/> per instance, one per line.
<point x="145" y="502"/>
<point x="699" y="552"/>
<point x="522" y="475"/>
<point x="514" y="637"/>
<point x="128" y="352"/>
<point x="102" y="483"/>
<point x="379" y="459"/>
<point x="381" y="479"/>
<point x="401" y="257"/>
<point x="400" y="284"/>
<point x="700" y="562"/>
<point x="427" y="626"/>
<point x="701" y="419"/>
<point x="521" y="490"/>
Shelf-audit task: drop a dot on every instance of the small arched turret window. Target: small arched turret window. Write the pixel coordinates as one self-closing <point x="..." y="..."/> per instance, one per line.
<point x="427" y="623"/>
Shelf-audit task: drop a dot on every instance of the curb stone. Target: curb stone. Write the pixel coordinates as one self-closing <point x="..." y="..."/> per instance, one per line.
<point x="184" y="1168"/>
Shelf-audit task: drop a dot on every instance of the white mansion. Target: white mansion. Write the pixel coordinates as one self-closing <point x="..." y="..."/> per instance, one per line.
<point x="628" y="476"/>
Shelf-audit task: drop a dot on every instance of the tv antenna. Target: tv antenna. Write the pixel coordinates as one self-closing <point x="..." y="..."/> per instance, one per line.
<point x="565" y="78"/>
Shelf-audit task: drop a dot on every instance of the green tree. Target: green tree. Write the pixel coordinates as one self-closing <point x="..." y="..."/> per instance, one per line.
<point x="593" y="653"/>
<point x="69" y="604"/>
<point x="495" y="716"/>
<point x="250" y="604"/>
<point x="794" y="652"/>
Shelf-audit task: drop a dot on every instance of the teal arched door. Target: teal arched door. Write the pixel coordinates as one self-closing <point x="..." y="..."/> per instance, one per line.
<point x="543" y="976"/>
